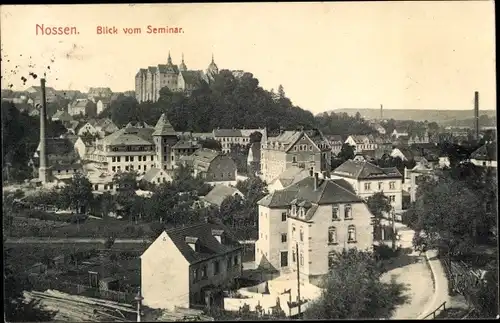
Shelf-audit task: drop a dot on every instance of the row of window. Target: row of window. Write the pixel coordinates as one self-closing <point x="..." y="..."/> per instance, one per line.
<point x="332" y="234"/>
<point x="347" y="212"/>
<point x="117" y="159"/>
<point x="202" y="273"/>
<point x="234" y="139"/>
<point x="392" y="186"/>
<point x="130" y="148"/>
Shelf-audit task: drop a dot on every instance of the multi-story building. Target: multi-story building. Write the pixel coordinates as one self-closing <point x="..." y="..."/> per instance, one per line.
<point x="317" y="215"/>
<point x="212" y="166"/>
<point x="413" y="176"/>
<point x="361" y="143"/>
<point x="368" y="179"/>
<point x="183" y="266"/>
<point x="95" y="93"/>
<point x="336" y="143"/>
<point x="149" y="81"/>
<point x="62" y="158"/>
<point x="137" y="147"/>
<point x="308" y="149"/>
<point x="229" y="137"/>
<point x="78" y="107"/>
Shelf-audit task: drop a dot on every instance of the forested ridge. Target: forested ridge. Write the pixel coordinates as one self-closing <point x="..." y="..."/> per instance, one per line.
<point x="230" y="102"/>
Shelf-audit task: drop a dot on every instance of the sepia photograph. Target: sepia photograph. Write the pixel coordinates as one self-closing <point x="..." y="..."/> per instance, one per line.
<point x="249" y="161"/>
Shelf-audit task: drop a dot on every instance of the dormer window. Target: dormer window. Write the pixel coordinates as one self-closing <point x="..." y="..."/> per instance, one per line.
<point x="302" y="212"/>
<point x="294" y="210"/>
<point x="218" y="234"/>
<point x="192" y="242"/>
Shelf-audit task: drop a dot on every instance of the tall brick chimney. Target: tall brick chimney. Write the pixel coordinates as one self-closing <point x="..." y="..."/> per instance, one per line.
<point x="476" y="114"/>
<point x="381" y="112"/>
<point x="42" y="170"/>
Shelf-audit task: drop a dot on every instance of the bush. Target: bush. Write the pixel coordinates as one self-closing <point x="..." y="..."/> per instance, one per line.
<point x="384" y="252"/>
<point x="130" y="230"/>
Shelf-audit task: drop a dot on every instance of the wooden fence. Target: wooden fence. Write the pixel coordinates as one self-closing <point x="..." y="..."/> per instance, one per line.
<point x="78" y="289"/>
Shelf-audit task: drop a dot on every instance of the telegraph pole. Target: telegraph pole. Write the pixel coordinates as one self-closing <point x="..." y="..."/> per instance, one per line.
<point x="298" y="276"/>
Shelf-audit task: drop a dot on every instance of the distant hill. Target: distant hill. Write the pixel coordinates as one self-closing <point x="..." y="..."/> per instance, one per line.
<point x="439" y="116"/>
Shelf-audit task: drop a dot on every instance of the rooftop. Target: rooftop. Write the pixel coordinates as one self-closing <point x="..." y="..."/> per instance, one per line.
<point x="365" y="170"/>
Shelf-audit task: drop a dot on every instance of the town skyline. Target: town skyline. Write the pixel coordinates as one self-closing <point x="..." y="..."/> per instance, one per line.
<point x="408" y="68"/>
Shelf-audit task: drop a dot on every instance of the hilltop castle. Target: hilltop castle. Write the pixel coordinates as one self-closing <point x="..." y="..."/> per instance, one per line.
<point x="149" y="81"/>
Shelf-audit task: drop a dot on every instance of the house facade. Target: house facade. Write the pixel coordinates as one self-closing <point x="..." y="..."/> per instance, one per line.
<point x="182" y="267"/>
<point x="336" y="143"/>
<point x="413" y="176"/>
<point x="319" y="216"/>
<point x="229" y="137"/>
<point x="361" y="143"/>
<point x="214" y="167"/>
<point x="485" y="156"/>
<point x="78" y="107"/>
<point x="368" y="179"/>
<point x="308" y="149"/>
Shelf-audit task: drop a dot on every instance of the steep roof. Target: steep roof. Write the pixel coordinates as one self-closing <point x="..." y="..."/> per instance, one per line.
<point x="79" y="103"/>
<point x="153" y="172"/>
<point x="365" y="170"/>
<point x="130" y="136"/>
<point x="227" y="133"/>
<point x="220" y="192"/>
<point x="163" y="127"/>
<point x="61" y="114"/>
<point x="205" y="155"/>
<point x="328" y="192"/>
<point x="360" y="139"/>
<point x="207" y="245"/>
<point x="335" y="138"/>
<point x="291" y="175"/>
<point x="185" y="144"/>
<point x="485" y="152"/>
<point x="191" y="77"/>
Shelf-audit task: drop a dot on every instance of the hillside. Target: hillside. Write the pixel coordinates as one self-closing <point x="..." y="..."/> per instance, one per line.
<point x="440" y="116"/>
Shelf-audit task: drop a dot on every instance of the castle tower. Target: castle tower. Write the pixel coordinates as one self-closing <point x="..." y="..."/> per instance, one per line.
<point x="182" y="66"/>
<point x="164" y="137"/>
<point x="212" y="69"/>
<point x="43" y="172"/>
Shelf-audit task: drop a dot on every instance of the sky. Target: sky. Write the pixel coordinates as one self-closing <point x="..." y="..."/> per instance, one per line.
<point x="404" y="55"/>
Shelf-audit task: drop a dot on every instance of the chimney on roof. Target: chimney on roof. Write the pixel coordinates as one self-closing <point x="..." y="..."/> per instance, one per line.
<point x="316" y="181"/>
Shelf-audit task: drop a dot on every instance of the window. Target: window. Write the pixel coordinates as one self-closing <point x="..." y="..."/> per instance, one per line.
<point x="293" y="255"/>
<point x="204" y="273"/>
<point x="380" y="185"/>
<point x="195" y="274"/>
<point x="348" y="212"/>
<point x="331" y="259"/>
<point x="113" y="159"/>
<point x="113" y="168"/>
<point x="96" y="187"/>
<point x="392" y="185"/>
<point x="229" y="262"/>
<point x="294" y="210"/>
<point x="392" y="198"/>
<point x="351" y="233"/>
<point x="126" y="168"/>
<point x="367" y="186"/>
<point x="283" y="216"/>
<point x="335" y="213"/>
<point x="126" y="158"/>
<point x="301" y="235"/>
<point x="131" y="158"/>
<point x="139" y="167"/>
<point x="236" y="261"/>
<point x="110" y="186"/>
<point x="301" y="259"/>
<point x="283" y="237"/>
<point x="293" y="229"/>
<point x="152" y="158"/>
<point x="118" y="159"/>
<point x="294" y="159"/>
<point x="145" y="167"/>
<point x="284" y="258"/>
<point x="332" y="235"/>
<point x="216" y="267"/>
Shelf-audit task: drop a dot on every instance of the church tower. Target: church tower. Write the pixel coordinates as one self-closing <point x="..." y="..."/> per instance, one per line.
<point x="182" y="66"/>
<point x="164" y="137"/>
<point x="212" y="69"/>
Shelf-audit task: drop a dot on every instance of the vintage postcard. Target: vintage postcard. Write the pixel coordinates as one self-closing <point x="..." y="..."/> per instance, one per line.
<point x="249" y="161"/>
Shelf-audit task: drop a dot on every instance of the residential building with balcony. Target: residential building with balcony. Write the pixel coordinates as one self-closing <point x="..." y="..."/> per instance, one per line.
<point x="320" y="216"/>
<point x="368" y="179"/>
<point x="183" y="266"/>
<point x="308" y="149"/>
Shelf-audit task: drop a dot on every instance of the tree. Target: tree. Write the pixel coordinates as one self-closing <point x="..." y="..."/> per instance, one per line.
<point x="346" y="152"/>
<point x="255" y="136"/>
<point x="210" y="144"/>
<point x="78" y="193"/>
<point x="353" y="290"/>
<point x="378" y="204"/>
<point x="281" y="92"/>
<point x="15" y="309"/>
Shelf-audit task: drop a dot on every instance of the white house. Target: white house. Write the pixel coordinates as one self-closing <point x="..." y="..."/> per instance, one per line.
<point x="219" y="193"/>
<point x="399" y="132"/>
<point x="361" y="143"/>
<point x="368" y="179"/>
<point x="87" y="128"/>
<point x="156" y="176"/>
<point x="485" y="156"/>
<point x="77" y="107"/>
<point x="317" y="215"/>
<point x="102" y="105"/>
<point x="183" y="265"/>
<point x="83" y="146"/>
